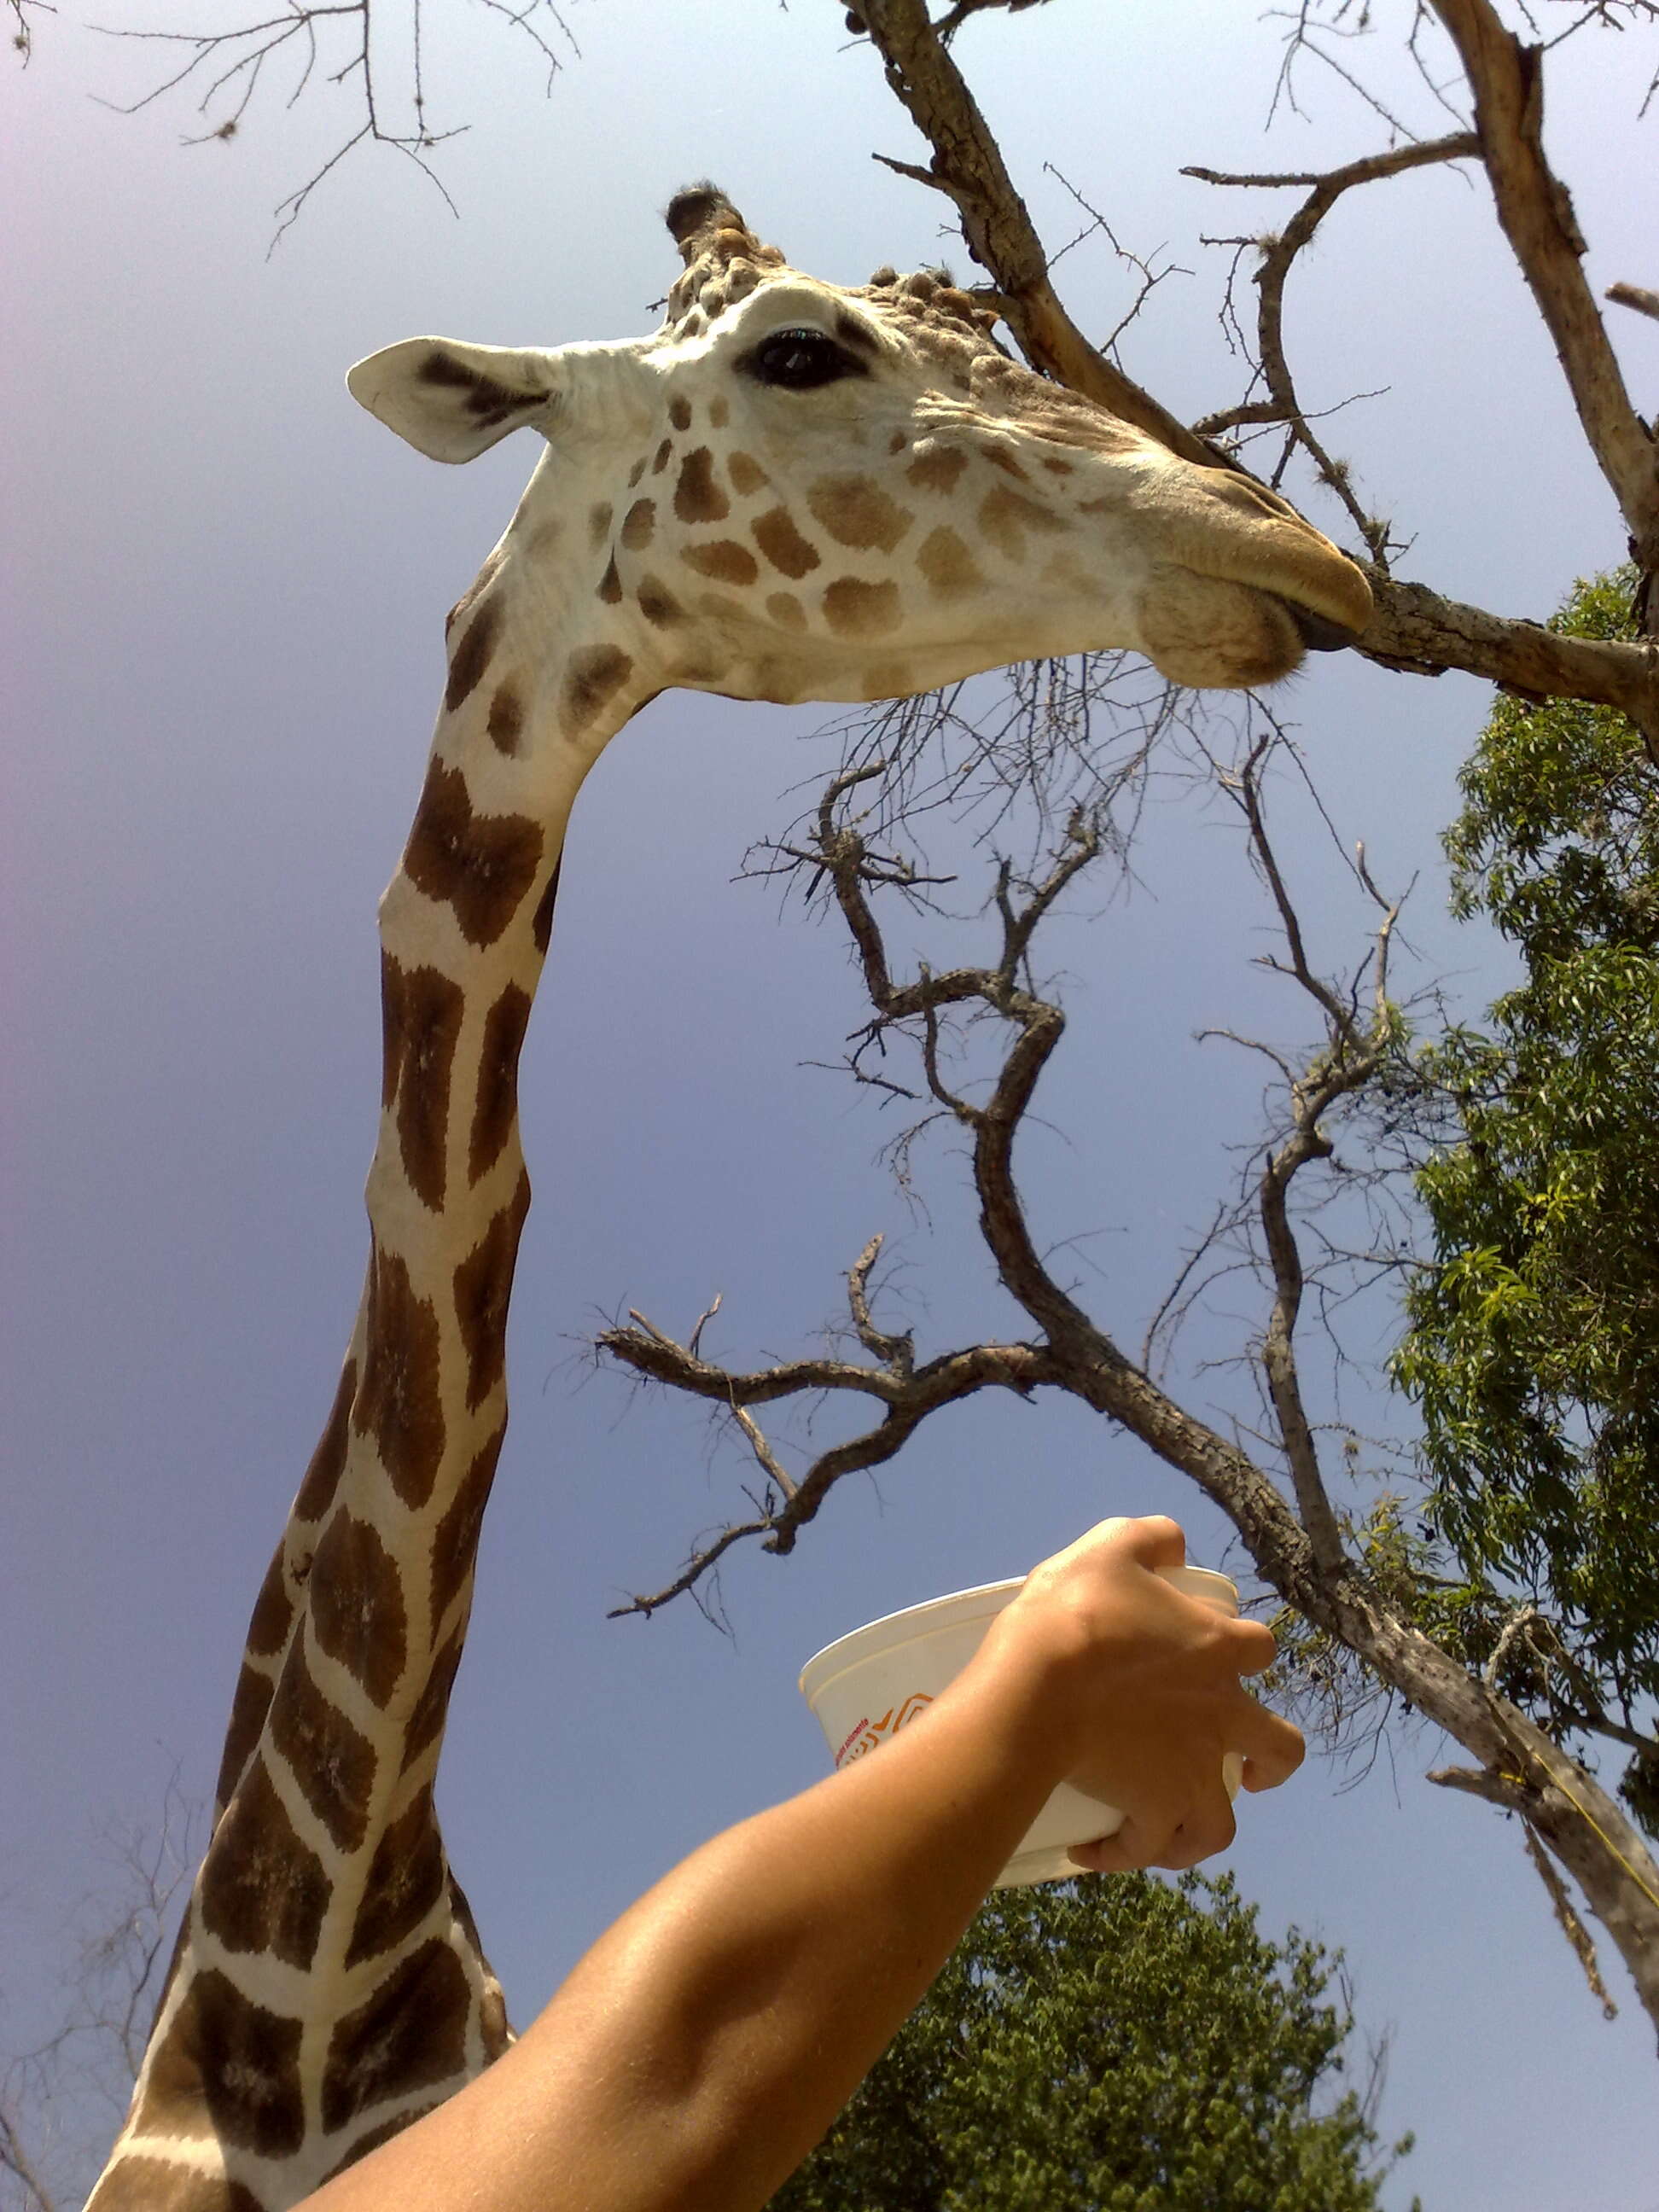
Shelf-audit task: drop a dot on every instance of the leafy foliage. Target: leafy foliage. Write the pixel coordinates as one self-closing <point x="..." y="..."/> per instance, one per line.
<point x="1533" y="1348"/>
<point x="1111" y="2044"/>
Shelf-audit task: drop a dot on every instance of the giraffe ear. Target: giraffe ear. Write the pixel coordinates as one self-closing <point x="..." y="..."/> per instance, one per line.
<point x="451" y="400"/>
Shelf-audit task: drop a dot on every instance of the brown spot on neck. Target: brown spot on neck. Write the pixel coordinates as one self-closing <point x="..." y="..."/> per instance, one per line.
<point x="638" y="524"/>
<point x="412" y="2034"/>
<point x="610" y="584"/>
<point x="496" y="1107"/>
<point x="725" y="560"/>
<point x="679" y="412"/>
<point x="481" y="865"/>
<point x="598" y="524"/>
<point x="404" y="1882"/>
<point x="262" y="1889"/>
<point x="332" y="1763"/>
<point x="455" y="1544"/>
<point x="592" y="678"/>
<point x="483" y="1285"/>
<point x="233" y="2063"/>
<point x="357" y="1606"/>
<point x="472" y="656"/>
<point x="505" y="722"/>
<point x="398" y="1403"/>
<point x="854" y="609"/>
<point x="422" y="1010"/>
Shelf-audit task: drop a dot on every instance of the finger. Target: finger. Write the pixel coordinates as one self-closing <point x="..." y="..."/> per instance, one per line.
<point x="1105" y="1855"/>
<point x="1208" y="1828"/>
<point x="1251" y="1648"/>
<point x="1273" y="1748"/>
<point x="1146" y="1843"/>
<point x="1155" y="1540"/>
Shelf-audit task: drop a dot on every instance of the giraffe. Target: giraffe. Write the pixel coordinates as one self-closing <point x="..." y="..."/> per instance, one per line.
<point x="791" y="490"/>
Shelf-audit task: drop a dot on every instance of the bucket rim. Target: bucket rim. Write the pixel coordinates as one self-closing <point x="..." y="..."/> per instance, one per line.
<point x="982" y="1601"/>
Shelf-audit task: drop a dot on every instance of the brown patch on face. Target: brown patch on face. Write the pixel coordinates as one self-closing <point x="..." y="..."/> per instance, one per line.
<point x="332" y="1763"/>
<point x="660" y="459"/>
<point x="782" y="544"/>
<point x="421" y="1019"/>
<point x="592" y="678"/>
<point x="455" y="1544"/>
<point x="357" y="1606"/>
<point x="482" y="865"/>
<point x="856" y="512"/>
<point x="398" y="1400"/>
<point x="855" y="609"/>
<point x="725" y="560"/>
<point x="947" y="565"/>
<point x="404" y="1882"/>
<point x="1004" y="516"/>
<point x="541" y="923"/>
<point x="658" y="604"/>
<point x="697" y="498"/>
<point x="1056" y="467"/>
<point x="273" y="1609"/>
<point x="679" y="412"/>
<point x="787" y="610"/>
<point x="322" y="1476"/>
<point x="611" y="583"/>
<point x="155" y="2185"/>
<point x="598" y="524"/>
<point x="496" y="1102"/>
<point x="261" y="1889"/>
<point x="746" y="474"/>
<point x="936" y="468"/>
<point x="505" y="719"/>
<point x="472" y="656"/>
<point x="426" y="1722"/>
<point x="638" y="524"/>
<point x="248" y="1709"/>
<point x="1001" y="458"/>
<point x="412" y="2034"/>
<point x="719" y="412"/>
<point x="228" y="2069"/>
<point x="483" y="1283"/>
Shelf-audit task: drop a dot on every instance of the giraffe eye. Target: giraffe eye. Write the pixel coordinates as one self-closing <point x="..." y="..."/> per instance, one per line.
<point x="800" y="361"/>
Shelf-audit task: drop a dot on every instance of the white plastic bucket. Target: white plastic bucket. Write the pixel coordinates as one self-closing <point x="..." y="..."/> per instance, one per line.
<point x="864" y="1688"/>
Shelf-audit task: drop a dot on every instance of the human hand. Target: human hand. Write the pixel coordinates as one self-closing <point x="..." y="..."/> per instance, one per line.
<point x="1139" y="1688"/>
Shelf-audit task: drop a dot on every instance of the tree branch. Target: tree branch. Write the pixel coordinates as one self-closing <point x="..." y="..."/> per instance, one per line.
<point x="1535" y="211"/>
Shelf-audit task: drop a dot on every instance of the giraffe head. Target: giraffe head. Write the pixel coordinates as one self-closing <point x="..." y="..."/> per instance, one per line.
<point x="794" y="490"/>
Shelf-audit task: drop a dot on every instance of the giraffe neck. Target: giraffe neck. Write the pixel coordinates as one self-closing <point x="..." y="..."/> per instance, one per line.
<point x="329" y="1985"/>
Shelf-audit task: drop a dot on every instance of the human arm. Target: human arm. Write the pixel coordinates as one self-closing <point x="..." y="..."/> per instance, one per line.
<point x="705" y="2042"/>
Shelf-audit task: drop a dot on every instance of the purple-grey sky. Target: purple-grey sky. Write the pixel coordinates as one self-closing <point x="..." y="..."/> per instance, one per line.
<point x="224" y="601"/>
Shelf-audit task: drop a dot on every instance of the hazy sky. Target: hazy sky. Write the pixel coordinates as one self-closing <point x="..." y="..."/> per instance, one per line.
<point x="224" y="599"/>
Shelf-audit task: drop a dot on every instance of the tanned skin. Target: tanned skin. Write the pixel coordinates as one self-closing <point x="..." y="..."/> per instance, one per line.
<point x="707" y="2040"/>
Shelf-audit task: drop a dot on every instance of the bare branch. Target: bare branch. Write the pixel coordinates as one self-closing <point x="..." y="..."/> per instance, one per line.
<point x="1278" y="253"/>
<point x="1536" y="213"/>
<point x="1635" y="296"/>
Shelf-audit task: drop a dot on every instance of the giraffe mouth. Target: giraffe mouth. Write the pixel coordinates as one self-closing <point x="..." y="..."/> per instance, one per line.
<point x="1318" y="632"/>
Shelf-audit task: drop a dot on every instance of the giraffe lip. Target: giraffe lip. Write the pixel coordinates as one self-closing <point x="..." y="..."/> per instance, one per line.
<point x="1318" y="632"/>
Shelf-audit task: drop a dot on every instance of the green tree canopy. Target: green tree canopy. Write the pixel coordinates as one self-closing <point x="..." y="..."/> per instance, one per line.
<point x="1534" y="1339"/>
<point x="1113" y="2044"/>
